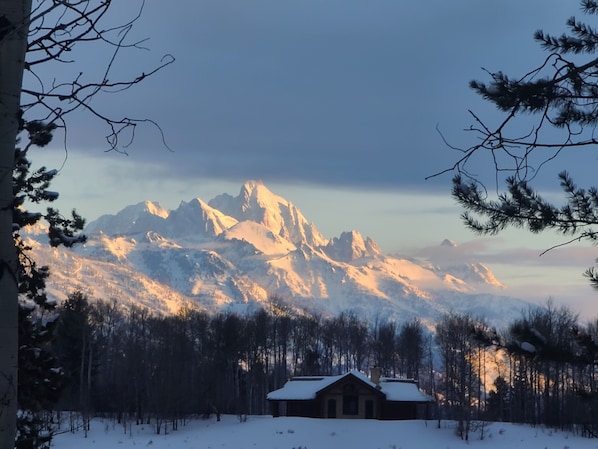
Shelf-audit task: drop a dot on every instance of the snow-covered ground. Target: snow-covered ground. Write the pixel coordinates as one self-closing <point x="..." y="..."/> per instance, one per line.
<point x="264" y="432"/>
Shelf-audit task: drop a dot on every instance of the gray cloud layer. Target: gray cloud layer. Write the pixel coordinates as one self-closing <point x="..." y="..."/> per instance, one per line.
<point x="344" y="93"/>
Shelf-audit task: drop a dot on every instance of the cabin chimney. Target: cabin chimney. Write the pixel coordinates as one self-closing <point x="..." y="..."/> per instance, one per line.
<point x="375" y="376"/>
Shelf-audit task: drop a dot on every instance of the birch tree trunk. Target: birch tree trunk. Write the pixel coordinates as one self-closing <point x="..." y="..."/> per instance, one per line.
<point x="14" y="17"/>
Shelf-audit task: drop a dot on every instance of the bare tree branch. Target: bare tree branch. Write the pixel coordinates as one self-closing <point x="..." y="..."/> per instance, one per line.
<point x="56" y="28"/>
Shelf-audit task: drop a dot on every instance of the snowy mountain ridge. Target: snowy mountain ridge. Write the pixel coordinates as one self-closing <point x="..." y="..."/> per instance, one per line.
<point x="235" y="253"/>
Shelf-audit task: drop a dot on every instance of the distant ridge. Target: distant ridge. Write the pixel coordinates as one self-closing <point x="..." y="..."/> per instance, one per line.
<point x="235" y="252"/>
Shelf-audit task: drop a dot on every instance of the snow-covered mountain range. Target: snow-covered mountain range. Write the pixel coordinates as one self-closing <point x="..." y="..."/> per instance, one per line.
<point x="235" y="253"/>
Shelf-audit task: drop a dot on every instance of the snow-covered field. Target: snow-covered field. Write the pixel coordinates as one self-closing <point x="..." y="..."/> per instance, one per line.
<point x="264" y="432"/>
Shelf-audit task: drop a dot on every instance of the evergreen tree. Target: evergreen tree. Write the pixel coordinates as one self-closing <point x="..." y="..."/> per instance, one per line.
<point x="75" y="348"/>
<point x="498" y="401"/>
<point x="560" y="95"/>
<point x="40" y="378"/>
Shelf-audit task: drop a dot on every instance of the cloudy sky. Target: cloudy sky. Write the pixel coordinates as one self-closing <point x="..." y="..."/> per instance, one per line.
<point x="333" y="104"/>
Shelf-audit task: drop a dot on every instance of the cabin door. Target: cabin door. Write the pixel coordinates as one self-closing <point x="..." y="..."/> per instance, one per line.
<point x="332" y="408"/>
<point x="369" y="409"/>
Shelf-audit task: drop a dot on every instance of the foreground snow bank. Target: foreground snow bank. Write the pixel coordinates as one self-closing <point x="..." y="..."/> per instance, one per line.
<point x="264" y="432"/>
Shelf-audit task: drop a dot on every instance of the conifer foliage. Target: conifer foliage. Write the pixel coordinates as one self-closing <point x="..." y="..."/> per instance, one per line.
<point x="40" y="377"/>
<point x="559" y="99"/>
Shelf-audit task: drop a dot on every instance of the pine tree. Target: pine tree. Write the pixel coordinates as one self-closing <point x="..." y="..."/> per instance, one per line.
<point x="40" y="378"/>
<point x="498" y="401"/>
<point x="560" y="95"/>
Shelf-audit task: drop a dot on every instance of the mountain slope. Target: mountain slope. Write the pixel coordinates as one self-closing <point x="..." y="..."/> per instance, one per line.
<point x="233" y="253"/>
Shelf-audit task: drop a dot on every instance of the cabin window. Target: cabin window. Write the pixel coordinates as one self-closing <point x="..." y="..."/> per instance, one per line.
<point x="350" y="404"/>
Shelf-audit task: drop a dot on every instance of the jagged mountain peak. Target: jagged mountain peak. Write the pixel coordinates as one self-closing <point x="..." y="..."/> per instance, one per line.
<point x="352" y="246"/>
<point x="449" y="243"/>
<point x="257" y="203"/>
<point x="197" y="218"/>
<point x="144" y="207"/>
<point x="133" y="219"/>
<point x="255" y="189"/>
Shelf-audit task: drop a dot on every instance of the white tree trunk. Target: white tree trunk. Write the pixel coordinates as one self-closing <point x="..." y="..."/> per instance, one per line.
<point x="14" y="15"/>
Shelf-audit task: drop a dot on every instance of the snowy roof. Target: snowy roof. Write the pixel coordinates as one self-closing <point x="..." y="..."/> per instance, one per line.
<point x="403" y="390"/>
<point x="304" y="388"/>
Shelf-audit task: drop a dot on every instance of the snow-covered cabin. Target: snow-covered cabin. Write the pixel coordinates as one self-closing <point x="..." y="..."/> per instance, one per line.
<point x="351" y="395"/>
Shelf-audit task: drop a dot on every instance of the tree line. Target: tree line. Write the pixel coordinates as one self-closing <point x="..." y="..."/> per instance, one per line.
<point x="136" y="367"/>
<point x="540" y="369"/>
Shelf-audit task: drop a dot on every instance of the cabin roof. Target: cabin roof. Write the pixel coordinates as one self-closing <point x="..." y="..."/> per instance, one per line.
<point x="304" y="388"/>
